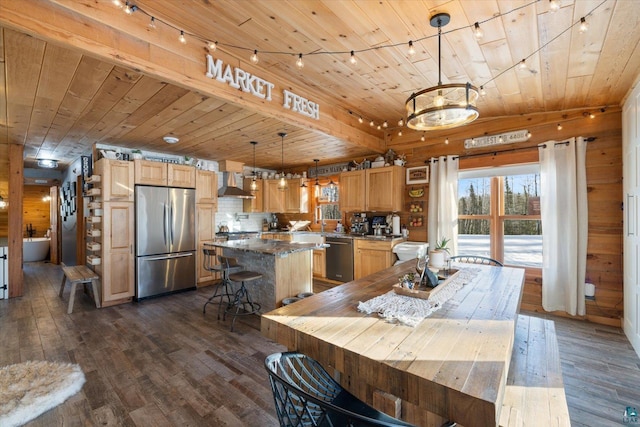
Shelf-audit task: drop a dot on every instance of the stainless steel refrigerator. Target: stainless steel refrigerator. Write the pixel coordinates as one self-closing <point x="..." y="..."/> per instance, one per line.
<point x="165" y="240"/>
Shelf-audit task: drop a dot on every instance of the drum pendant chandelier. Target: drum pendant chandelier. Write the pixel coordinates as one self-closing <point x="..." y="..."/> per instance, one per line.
<point x="442" y="106"/>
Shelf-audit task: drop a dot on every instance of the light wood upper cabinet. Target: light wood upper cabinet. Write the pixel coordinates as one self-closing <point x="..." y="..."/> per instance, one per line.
<point x="352" y="191"/>
<point x="384" y="189"/>
<point x="256" y="204"/>
<point x="181" y="176"/>
<point x="150" y="173"/>
<point x="164" y="174"/>
<point x="206" y="187"/>
<point x="296" y="198"/>
<point x="273" y="197"/>
<point x="116" y="177"/>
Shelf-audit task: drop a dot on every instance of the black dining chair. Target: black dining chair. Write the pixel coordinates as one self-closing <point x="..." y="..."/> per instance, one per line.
<point x="306" y="395"/>
<point x="476" y="259"/>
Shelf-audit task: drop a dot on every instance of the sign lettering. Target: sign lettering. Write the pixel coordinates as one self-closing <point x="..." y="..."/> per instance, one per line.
<point x="503" y="138"/>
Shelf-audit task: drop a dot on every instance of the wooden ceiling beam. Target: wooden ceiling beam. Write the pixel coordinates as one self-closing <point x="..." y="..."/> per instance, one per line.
<point x="98" y="29"/>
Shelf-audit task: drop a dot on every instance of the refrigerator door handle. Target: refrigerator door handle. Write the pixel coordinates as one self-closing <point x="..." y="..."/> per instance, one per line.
<point x="166" y="257"/>
<point x="171" y="223"/>
<point x="164" y="223"/>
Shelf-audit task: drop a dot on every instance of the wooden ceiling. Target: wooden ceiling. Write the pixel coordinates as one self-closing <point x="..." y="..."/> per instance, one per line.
<point x="60" y="97"/>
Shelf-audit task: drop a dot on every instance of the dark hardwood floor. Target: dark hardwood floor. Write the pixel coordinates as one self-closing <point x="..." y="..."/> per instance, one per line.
<point x="162" y="363"/>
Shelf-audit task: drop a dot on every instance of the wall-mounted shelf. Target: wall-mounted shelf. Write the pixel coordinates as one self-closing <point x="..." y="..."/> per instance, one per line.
<point x="416" y="221"/>
<point x="94" y="260"/>
<point x="93" y="179"/>
<point x="93" y="192"/>
<point x="94" y="219"/>
<point x="93" y="246"/>
<point x="94" y="232"/>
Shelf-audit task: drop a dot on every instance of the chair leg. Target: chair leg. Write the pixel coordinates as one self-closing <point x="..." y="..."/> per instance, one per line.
<point x="215" y="294"/>
<point x="72" y="297"/>
<point x="96" y="297"/>
<point x="64" y="279"/>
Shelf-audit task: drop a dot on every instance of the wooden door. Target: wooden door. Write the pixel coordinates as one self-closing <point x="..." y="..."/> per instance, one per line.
<point x="273" y="196"/>
<point x="352" y="191"/>
<point x="205" y="226"/>
<point x="118" y="268"/>
<point x="256" y="204"/>
<point x="206" y="187"/>
<point x="117" y="179"/>
<point x="181" y="176"/>
<point x="150" y="173"/>
<point x="385" y="189"/>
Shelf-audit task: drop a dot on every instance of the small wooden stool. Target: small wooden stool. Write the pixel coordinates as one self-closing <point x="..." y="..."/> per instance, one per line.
<point x="79" y="274"/>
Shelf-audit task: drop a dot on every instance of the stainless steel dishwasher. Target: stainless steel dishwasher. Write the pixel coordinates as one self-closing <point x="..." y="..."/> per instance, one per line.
<point x="340" y="259"/>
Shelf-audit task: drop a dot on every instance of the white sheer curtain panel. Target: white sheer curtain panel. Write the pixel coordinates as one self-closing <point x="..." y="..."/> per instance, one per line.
<point x="443" y="201"/>
<point x="564" y="213"/>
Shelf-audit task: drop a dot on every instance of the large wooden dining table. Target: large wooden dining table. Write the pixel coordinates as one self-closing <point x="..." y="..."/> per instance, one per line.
<point x="452" y="366"/>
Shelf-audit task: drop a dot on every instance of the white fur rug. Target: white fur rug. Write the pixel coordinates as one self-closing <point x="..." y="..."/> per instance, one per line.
<point x="32" y="388"/>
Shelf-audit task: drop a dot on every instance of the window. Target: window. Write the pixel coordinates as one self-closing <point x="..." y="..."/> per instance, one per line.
<point x="499" y="214"/>
<point x="328" y="202"/>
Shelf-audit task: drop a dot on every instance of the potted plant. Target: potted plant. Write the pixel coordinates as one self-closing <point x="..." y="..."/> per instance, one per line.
<point x="407" y="280"/>
<point x="440" y="254"/>
<point x="136" y="154"/>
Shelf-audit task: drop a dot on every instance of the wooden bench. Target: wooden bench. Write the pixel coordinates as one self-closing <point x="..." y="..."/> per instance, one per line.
<point x="535" y="394"/>
<point x="79" y="274"/>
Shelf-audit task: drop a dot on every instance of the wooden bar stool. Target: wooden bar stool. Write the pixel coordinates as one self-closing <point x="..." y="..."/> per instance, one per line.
<point x="79" y="274"/>
<point x="242" y="298"/>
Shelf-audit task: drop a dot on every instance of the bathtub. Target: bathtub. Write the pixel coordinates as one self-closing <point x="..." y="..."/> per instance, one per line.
<point x="36" y="249"/>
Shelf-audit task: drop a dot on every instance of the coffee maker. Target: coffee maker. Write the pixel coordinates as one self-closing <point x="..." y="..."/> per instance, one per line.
<point x="359" y="224"/>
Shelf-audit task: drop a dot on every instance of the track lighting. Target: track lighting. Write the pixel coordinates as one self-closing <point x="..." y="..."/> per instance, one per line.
<point x="129" y="9"/>
<point x="411" y="50"/>
<point x="477" y="31"/>
<point x="254" y="58"/>
<point x="182" y="38"/>
<point x="353" y="59"/>
<point x="299" y="62"/>
<point x="584" y="25"/>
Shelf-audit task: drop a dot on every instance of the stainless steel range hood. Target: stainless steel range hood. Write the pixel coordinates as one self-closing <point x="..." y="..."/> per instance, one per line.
<point x="230" y="188"/>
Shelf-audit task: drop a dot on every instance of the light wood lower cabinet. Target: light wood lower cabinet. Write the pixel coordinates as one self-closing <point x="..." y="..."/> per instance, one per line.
<point x="319" y="263"/>
<point x="118" y="269"/>
<point x="371" y="256"/>
<point x="205" y="223"/>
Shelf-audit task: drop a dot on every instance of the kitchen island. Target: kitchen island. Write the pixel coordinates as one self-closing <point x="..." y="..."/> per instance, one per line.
<point x="286" y="267"/>
<point x="452" y="366"/>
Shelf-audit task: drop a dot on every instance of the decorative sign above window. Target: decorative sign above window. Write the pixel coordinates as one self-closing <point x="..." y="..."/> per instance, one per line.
<point x="237" y="78"/>
<point x="503" y="138"/>
<point x="328" y="169"/>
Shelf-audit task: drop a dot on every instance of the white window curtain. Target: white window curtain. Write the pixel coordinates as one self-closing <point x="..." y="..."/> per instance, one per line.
<point x="443" y="201"/>
<point x="564" y="213"/>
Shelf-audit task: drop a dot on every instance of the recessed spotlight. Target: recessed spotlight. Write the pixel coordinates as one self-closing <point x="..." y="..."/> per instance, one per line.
<point x="170" y="139"/>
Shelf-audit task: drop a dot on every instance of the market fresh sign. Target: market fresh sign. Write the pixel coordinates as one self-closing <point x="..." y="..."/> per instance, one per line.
<point x="237" y="78"/>
<point x="503" y="138"/>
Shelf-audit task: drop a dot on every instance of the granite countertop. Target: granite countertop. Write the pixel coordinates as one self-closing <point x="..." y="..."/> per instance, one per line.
<point x="267" y="247"/>
<point x="385" y="237"/>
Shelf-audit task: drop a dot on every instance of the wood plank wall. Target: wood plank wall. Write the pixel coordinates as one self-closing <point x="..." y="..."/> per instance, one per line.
<point x="35" y="210"/>
<point x="604" y="182"/>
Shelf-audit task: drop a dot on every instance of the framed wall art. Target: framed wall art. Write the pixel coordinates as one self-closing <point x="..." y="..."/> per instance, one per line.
<point x="418" y="175"/>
